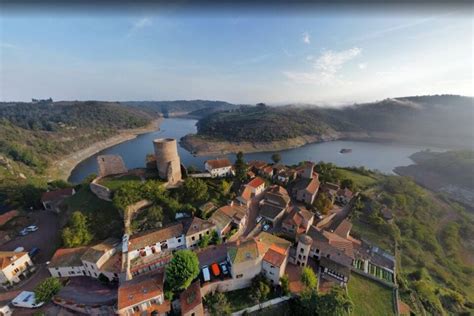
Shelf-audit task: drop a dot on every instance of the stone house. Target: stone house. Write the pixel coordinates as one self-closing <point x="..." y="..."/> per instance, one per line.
<point x="344" y="196"/>
<point x="52" y="200"/>
<point x="195" y="229"/>
<point x="298" y="221"/>
<point x="191" y="300"/>
<point x="306" y="187"/>
<point x="14" y="267"/>
<point x="219" y="167"/>
<point x="229" y="216"/>
<point x="274" y="204"/>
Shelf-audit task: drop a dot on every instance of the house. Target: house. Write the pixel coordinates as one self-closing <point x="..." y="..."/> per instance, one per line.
<point x="5" y="217"/>
<point x="219" y="167"/>
<point x="298" y="221"/>
<point x="285" y="175"/>
<point x="331" y="190"/>
<point x="191" y="300"/>
<point x="52" y="200"/>
<point x="344" y="196"/>
<point x="274" y="204"/>
<point x="66" y="262"/>
<point x="229" y="216"/>
<point x="266" y="253"/>
<point x="255" y="187"/>
<point x="267" y="172"/>
<point x="257" y="166"/>
<point x="15" y="266"/>
<point x="207" y="208"/>
<point x="102" y="258"/>
<point x="307" y="186"/>
<point x="195" y="229"/>
<point x="370" y="259"/>
<point x="143" y="295"/>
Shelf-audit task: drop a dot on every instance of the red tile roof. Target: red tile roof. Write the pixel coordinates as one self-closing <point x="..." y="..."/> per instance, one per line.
<point x="5" y="217"/>
<point x="274" y="257"/>
<point x="255" y="183"/>
<point x="8" y="257"/>
<point x="57" y="194"/>
<point x="67" y="257"/>
<point x="140" y="289"/>
<point x="313" y="186"/>
<point x="219" y="163"/>
<point x="190" y="298"/>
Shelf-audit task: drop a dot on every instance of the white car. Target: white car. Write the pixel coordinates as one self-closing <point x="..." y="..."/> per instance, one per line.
<point x="26" y="299"/>
<point x="266" y="227"/>
<point x="32" y="228"/>
<point x="259" y="219"/>
<point x="206" y="274"/>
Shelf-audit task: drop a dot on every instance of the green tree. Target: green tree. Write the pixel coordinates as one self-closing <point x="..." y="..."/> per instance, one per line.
<point x="240" y="167"/>
<point x="224" y="187"/>
<point x="276" y="157"/>
<point x="285" y="284"/>
<point x="217" y="304"/>
<point x="260" y="288"/>
<point x="323" y="203"/>
<point x="204" y="241"/>
<point x="77" y="233"/>
<point x="129" y="193"/>
<point x="45" y="291"/>
<point x="347" y="183"/>
<point x="154" y="214"/>
<point x="194" y="190"/>
<point x="215" y="239"/>
<point x="336" y="302"/>
<point x="309" y="279"/>
<point x="182" y="269"/>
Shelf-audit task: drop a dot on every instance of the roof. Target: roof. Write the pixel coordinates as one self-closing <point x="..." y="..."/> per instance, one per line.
<point x="245" y="251"/>
<point x="191" y="297"/>
<point x="67" y="257"/>
<point x="331" y="186"/>
<point x="211" y="254"/>
<point x="344" y="228"/>
<point x="114" y="263"/>
<point x="139" y="289"/>
<point x="94" y="253"/>
<point x="195" y="225"/>
<point x="5" y="217"/>
<point x="278" y="195"/>
<point x="340" y="249"/>
<point x="345" y="192"/>
<point x="219" y="163"/>
<point x="56" y="194"/>
<point x="8" y="257"/>
<point x="234" y="211"/>
<point x="207" y="207"/>
<point x="274" y="257"/>
<point x="256" y="182"/>
<point x="274" y="242"/>
<point x="298" y="216"/>
<point x="246" y="194"/>
<point x="149" y="238"/>
<point x="221" y="219"/>
<point x="257" y="164"/>
<point x="268" y="169"/>
<point x="270" y="211"/>
<point x="310" y="185"/>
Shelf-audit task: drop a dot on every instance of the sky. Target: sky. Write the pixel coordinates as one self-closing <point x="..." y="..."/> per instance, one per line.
<point x="325" y="58"/>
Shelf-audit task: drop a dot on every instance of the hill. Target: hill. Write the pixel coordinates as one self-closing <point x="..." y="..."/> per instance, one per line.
<point x="194" y="108"/>
<point x="442" y="120"/>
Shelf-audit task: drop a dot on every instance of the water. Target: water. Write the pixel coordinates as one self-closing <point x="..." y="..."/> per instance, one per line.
<point x="381" y="156"/>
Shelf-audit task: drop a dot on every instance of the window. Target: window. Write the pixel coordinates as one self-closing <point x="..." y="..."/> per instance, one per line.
<point x="299" y="256"/>
<point x="136" y="309"/>
<point x="301" y="250"/>
<point x="193" y="238"/>
<point x="179" y="240"/>
<point x="207" y="232"/>
<point x="238" y="276"/>
<point x="317" y="250"/>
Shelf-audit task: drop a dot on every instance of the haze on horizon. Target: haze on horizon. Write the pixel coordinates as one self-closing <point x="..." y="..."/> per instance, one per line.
<point x="326" y="58"/>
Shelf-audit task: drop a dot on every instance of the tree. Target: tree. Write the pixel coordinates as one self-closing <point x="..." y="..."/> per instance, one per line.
<point x="323" y="203"/>
<point x="204" y="241"/>
<point x="224" y="187"/>
<point x="240" y="167"/>
<point x="308" y="278"/>
<point x="285" y="284"/>
<point x="194" y="190"/>
<point x="260" y="288"/>
<point x="78" y="232"/>
<point x="182" y="269"/>
<point x="347" y="183"/>
<point x="276" y="157"/>
<point x="45" y="291"/>
<point x="154" y="214"/>
<point x="336" y="302"/>
<point x="218" y="304"/>
<point x="215" y="239"/>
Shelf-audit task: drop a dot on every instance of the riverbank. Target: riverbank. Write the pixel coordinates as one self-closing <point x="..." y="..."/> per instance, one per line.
<point x="62" y="168"/>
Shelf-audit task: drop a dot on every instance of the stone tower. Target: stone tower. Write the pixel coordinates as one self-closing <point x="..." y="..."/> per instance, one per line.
<point x="308" y="170"/>
<point x="167" y="159"/>
<point x="302" y="250"/>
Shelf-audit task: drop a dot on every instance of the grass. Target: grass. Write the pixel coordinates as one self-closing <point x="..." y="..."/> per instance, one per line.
<point x="369" y="297"/>
<point x="104" y="219"/>
<point x="239" y="299"/>
<point x="363" y="230"/>
<point x="281" y="309"/>
<point x="115" y="183"/>
<point x="360" y="181"/>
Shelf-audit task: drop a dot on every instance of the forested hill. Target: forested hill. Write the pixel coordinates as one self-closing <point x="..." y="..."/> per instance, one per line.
<point x="198" y="108"/>
<point x="443" y="118"/>
<point x="35" y="134"/>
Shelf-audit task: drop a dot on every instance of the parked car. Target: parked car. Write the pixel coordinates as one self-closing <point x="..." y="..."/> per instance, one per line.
<point x="33" y="252"/>
<point x="19" y="249"/>
<point x="32" y="228"/>
<point x="266" y="227"/>
<point x="224" y="268"/>
<point x="259" y="219"/>
<point x="205" y="274"/>
<point x="26" y="299"/>
<point x="23" y="232"/>
<point x="215" y="269"/>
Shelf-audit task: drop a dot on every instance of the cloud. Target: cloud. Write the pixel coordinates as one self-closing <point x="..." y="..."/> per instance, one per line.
<point x="7" y="45"/>
<point x="362" y="66"/>
<point x="138" y="25"/>
<point x="326" y="67"/>
<point x="306" y="38"/>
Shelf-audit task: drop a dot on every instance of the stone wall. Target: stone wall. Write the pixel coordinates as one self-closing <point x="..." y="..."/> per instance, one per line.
<point x="225" y="286"/>
<point x="167" y="159"/>
<point x="110" y="165"/>
<point x="100" y="191"/>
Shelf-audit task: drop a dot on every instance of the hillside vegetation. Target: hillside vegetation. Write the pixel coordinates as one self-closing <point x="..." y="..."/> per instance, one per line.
<point x="444" y="119"/>
<point x="197" y="108"/>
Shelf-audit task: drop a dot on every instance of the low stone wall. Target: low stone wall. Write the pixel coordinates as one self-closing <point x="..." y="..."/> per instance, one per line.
<point x="100" y="191"/>
<point x="263" y="305"/>
<point x="225" y="286"/>
<point x="131" y="210"/>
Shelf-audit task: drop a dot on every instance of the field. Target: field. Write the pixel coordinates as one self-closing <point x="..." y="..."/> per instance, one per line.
<point x="113" y="183"/>
<point x="361" y="181"/>
<point x="369" y="297"/>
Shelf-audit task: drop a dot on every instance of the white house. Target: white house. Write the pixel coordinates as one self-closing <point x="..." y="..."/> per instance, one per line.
<point x="219" y="167"/>
<point x="66" y="262"/>
<point x="14" y="267"/>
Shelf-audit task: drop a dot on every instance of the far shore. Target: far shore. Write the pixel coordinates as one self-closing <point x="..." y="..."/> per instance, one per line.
<point x="62" y="168"/>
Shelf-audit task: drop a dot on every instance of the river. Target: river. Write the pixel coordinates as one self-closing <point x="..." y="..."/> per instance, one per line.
<point x="381" y="156"/>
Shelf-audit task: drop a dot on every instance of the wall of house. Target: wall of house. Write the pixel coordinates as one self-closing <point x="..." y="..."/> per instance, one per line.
<point x="190" y="243"/>
<point x="247" y="269"/>
<point x="18" y="267"/>
<point x="225" y="286"/>
<point x="273" y="273"/>
<point x="142" y="306"/>
<point x="173" y="243"/>
<point x="219" y="172"/>
<point x="67" y="271"/>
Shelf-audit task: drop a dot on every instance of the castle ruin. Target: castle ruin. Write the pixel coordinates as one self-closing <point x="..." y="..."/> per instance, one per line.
<point x="167" y="159"/>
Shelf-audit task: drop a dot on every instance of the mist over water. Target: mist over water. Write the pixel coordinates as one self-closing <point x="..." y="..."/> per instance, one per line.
<point x="381" y="156"/>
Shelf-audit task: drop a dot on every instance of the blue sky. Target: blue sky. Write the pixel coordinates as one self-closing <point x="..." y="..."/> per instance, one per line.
<point x="326" y="58"/>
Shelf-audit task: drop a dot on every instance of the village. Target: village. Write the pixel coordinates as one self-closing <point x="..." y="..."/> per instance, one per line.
<point x="269" y="231"/>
